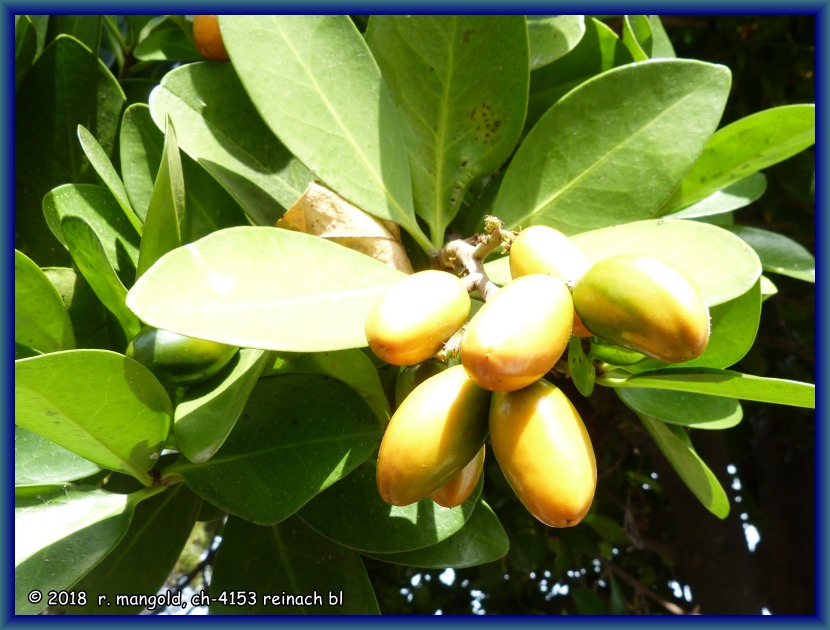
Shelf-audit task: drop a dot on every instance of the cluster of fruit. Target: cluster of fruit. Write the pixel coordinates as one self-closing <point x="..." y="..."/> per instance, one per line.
<point x="434" y="443"/>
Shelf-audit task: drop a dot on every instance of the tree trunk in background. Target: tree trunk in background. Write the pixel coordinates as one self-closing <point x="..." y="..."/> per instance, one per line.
<point x="712" y="555"/>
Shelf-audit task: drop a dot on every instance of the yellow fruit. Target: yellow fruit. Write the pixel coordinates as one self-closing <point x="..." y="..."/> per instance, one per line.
<point x="461" y="486"/>
<point x="208" y="39"/>
<point x="543" y="249"/>
<point x="411" y="321"/>
<point x="519" y="334"/>
<point x="545" y="453"/>
<point x="434" y="434"/>
<point x="644" y="304"/>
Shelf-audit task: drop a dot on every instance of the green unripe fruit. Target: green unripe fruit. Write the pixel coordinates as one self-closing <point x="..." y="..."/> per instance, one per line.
<point x="177" y="359"/>
<point x="411" y="376"/>
<point x="644" y="304"/>
<point x="411" y="321"/>
<point x="461" y="486"/>
<point x="519" y="334"/>
<point x="434" y="434"/>
<point x="543" y="249"/>
<point x="545" y="453"/>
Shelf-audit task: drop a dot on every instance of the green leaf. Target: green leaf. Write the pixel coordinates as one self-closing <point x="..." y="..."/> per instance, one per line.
<point x="68" y="85"/>
<point x="481" y="540"/>
<point x="298" y="435"/>
<point x="353" y="514"/>
<point x="778" y="253"/>
<point x="646" y="38"/>
<point x="351" y="366"/>
<point x="167" y="44"/>
<point x="552" y="36"/>
<point x="714" y="382"/>
<point x="692" y="410"/>
<point x="41" y="462"/>
<point x="587" y="601"/>
<point x="339" y="120"/>
<point x="675" y="445"/>
<point x="301" y="571"/>
<point x="162" y="524"/>
<point x="721" y="265"/>
<point x="91" y="259"/>
<point x="459" y="119"/>
<point x="98" y="404"/>
<point x="287" y="569"/>
<point x="99" y="209"/>
<point x="581" y="368"/>
<point x="61" y="533"/>
<point x="267" y="288"/>
<point x="88" y="315"/>
<point x="207" y="414"/>
<point x="655" y="117"/>
<point x="166" y="219"/>
<point x="218" y="126"/>
<point x="102" y="165"/>
<point x="599" y="50"/>
<point x="738" y="195"/>
<point x="84" y="28"/>
<point x="734" y="325"/>
<point x="41" y="320"/>
<point x="209" y="206"/>
<point x="744" y="147"/>
<point x="141" y="145"/>
<point x="25" y="47"/>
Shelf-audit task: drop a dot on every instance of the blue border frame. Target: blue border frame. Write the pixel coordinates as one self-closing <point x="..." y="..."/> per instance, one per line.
<point x="822" y="525"/>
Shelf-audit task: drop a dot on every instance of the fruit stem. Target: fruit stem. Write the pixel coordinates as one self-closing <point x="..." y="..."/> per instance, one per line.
<point x="467" y="256"/>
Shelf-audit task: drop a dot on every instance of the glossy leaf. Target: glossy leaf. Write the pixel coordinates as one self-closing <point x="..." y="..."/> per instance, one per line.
<point x="106" y="171"/>
<point x="655" y="118"/>
<point x="209" y="206"/>
<point x="778" y="253"/>
<point x="267" y="288"/>
<point x="167" y="44"/>
<point x="91" y="260"/>
<point x="288" y="559"/>
<point x="99" y="209"/>
<point x="351" y="366"/>
<point x="744" y="147"/>
<point x="206" y="415"/>
<point x="646" y="38"/>
<point x="675" y="445"/>
<point x="59" y="397"/>
<point x="218" y="126"/>
<point x="41" y="462"/>
<point x="692" y="410"/>
<point x="88" y="315"/>
<point x="714" y="382"/>
<point x="61" y="533"/>
<point x="481" y="540"/>
<point x="41" y="320"/>
<point x="459" y="120"/>
<point x="85" y="28"/>
<point x="734" y="325"/>
<point x="25" y="47"/>
<point x="166" y="219"/>
<point x="141" y="144"/>
<point x="735" y="196"/>
<point x="162" y="524"/>
<point x="297" y="435"/>
<point x="552" y="36"/>
<point x="598" y="50"/>
<point x="369" y="525"/>
<point x="84" y="93"/>
<point x="342" y="124"/>
<point x="583" y="372"/>
<point x="690" y="246"/>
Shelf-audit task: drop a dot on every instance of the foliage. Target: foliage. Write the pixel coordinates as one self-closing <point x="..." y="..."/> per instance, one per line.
<point x="151" y="198"/>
